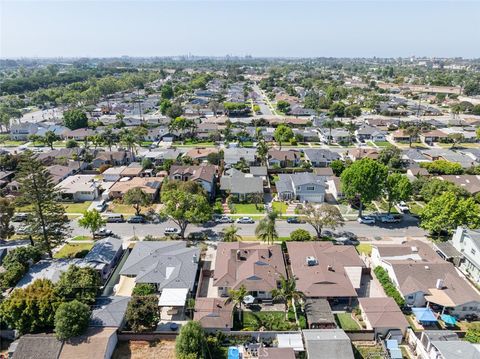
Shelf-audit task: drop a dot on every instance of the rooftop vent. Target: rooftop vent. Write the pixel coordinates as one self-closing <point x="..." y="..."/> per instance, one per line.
<point x="414" y="249"/>
<point x="427" y="267"/>
<point x="311" y="261"/>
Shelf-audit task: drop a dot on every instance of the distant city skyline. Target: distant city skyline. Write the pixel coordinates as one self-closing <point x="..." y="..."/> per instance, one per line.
<point x="258" y="28"/>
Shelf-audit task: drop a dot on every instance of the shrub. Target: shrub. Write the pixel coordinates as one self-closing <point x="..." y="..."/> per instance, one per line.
<point x="300" y="235"/>
<point x="144" y="289"/>
<point x="71" y="319"/>
<point x="388" y="286"/>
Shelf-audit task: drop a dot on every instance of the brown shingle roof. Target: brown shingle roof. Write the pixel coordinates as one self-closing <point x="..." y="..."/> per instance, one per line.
<point x="383" y="313"/>
<point x="279" y="155"/>
<point x="256" y="266"/>
<point x="205" y="173"/>
<point x="92" y="345"/>
<point x="328" y="277"/>
<point x="195" y="153"/>
<point x="213" y="313"/>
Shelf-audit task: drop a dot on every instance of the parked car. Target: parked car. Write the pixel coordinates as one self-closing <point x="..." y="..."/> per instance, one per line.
<point x="170" y="231"/>
<point x="347" y="234"/>
<point x="103" y="232"/>
<point x="344" y="241"/>
<point x="328" y="233"/>
<point x="19" y="217"/>
<point x="22" y="230"/>
<point x="136" y="219"/>
<point x="388" y="218"/>
<point x="99" y="206"/>
<point x="224" y="219"/>
<point x="366" y="220"/>
<point x="294" y="220"/>
<point x="403" y="207"/>
<point x="114" y="218"/>
<point x="245" y="220"/>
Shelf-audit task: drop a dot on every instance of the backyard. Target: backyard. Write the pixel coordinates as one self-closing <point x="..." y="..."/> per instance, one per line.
<point x="73" y="250"/>
<point x="346" y="322"/>
<point x="266" y="320"/>
<point x="164" y="349"/>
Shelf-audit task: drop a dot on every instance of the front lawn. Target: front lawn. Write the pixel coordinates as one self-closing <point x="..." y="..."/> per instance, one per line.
<point x="382" y="143"/>
<point x="364" y="248"/>
<point x="280" y="207"/>
<point x="124" y="209"/>
<point x="346" y="322"/>
<point x="11" y="143"/>
<point x="82" y="238"/>
<point x="77" y="207"/>
<point x="248" y="208"/>
<point x="74" y="250"/>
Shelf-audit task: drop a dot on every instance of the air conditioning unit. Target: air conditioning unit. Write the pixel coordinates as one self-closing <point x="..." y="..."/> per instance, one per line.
<point x="311" y="261"/>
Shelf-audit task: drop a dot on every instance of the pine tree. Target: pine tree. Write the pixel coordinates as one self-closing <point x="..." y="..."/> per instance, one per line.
<point x="48" y="224"/>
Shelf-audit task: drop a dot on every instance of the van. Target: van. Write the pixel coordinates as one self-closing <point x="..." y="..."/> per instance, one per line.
<point x="114" y="218"/>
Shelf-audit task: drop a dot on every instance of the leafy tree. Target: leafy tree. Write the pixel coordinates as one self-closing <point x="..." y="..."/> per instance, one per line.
<point x="473" y="333"/>
<point x="92" y="220"/>
<point x="13" y="273"/>
<point x="137" y="198"/>
<point x="215" y="158"/>
<point x="324" y="215"/>
<point x="174" y="111"/>
<point x="283" y="106"/>
<point x="80" y="283"/>
<point x="288" y="293"/>
<point x="31" y="309"/>
<point x="24" y="255"/>
<point x="353" y="111"/>
<point x="49" y="138"/>
<point x="74" y="119"/>
<point x="364" y="181"/>
<point x="442" y="167"/>
<point x="48" y="223"/>
<point x="456" y="139"/>
<point x="447" y="211"/>
<point x="412" y="132"/>
<point x="237" y="296"/>
<point x="109" y="138"/>
<point x="266" y="230"/>
<point x="300" y="235"/>
<point x="230" y="234"/>
<point x="71" y="143"/>
<point x="337" y="166"/>
<point x="191" y="341"/>
<point x="142" y="289"/>
<point x="167" y="92"/>
<point x="164" y="106"/>
<point x="397" y="188"/>
<point x="391" y="156"/>
<point x="434" y="187"/>
<point x="71" y="319"/>
<point x="184" y="208"/>
<point x="7" y="210"/>
<point x="262" y="151"/>
<point x="337" y="109"/>
<point x="142" y="313"/>
<point x="283" y="134"/>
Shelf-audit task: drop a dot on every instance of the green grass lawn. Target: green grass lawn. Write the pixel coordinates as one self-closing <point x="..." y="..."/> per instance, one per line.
<point x="415" y="208"/>
<point x="248" y="208"/>
<point x="77" y="207"/>
<point x="346" y="322"/>
<point x="73" y="250"/>
<point x="280" y="207"/>
<point x="124" y="208"/>
<point x="82" y="238"/>
<point x="10" y="143"/>
<point x="364" y="248"/>
<point x="249" y="320"/>
<point x="382" y="143"/>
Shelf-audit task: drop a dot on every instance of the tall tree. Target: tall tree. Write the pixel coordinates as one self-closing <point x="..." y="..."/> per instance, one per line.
<point x="320" y="216"/>
<point x="230" y="234"/>
<point x="412" y="132"/>
<point x="137" y="198"/>
<point x="80" y="283"/>
<point x="330" y="125"/>
<point x="142" y="313"/>
<point x="109" y="138"/>
<point x="288" y="293"/>
<point x="50" y="138"/>
<point x="7" y="209"/>
<point x="283" y="134"/>
<point x="191" y="342"/>
<point x="364" y="181"/>
<point x="74" y="119"/>
<point x="397" y="188"/>
<point x="237" y="296"/>
<point x="48" y="223"/>
<point x="262" y="152"/>
<point x="92" y="220"/>
<point x="266" y="230"/>
<point x="391" y="156"/>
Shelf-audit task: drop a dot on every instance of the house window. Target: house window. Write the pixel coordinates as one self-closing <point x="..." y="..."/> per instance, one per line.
<point x="473" y="251"/>
<point x="310" y="188"/>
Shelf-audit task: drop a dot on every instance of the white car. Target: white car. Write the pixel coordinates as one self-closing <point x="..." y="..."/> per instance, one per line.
<point x="103" y="232"/>
<point x="224" y="219"/>
<point x="170" y="231"/>
<point x="99" y="206"/>
<point x="388" y="219"/>
<point x="245" y="220"/>
<point x="366" y="220"/>
<point x="402" y="206"/>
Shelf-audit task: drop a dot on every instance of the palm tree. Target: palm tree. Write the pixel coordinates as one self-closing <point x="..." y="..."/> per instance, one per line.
<point x="108" y="138"/>
<point x="412" y="132"/>
<point x="350" y="127"/>
<point x="230" y="234"/>
<point x="262" y="151"/>
<point x="237" y="296"/>
<point x="266" y="230"/>
<point x="129" y="140"/>
<point x="330" y="124"/>
<point x="288" y="293"/>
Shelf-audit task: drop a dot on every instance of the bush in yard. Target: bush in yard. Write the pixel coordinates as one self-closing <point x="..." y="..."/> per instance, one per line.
<point x="473" y="333"/>
<point x="142" y="313"/>
<point x="388" y="286"/>
<point x="191" y="341"/>
<point x="144" y="289"/>
<point x="71" y="319"/>
<point x="300" y="235"/>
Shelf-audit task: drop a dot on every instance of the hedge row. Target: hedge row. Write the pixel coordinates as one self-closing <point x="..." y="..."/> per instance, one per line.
<point x="388" y="286"/>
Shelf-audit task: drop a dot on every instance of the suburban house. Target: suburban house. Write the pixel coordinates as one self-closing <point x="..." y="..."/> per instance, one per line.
<point x="334" y="188"/>
<point x="324" y="270"/>
<point x="401" y="136"/>
<point x="370" y="133"/>
<point x="260" y="172"/>
<point x="79" y="134"/>
<point x="258" y="267"/>
<point x="470" y="183"/>
<point x="95" y="343"/>
<point x="104" y="256"/>
<point x="285" y="158"/>
<point x="200" y="154"/>
<point x="166" y="264"/>
<point x="422" y="277"/>
<point x="233" y="155"/>
<point x="433" y="136"/>
<point x="60" y="172"/>
<point x="214" y="314"/>
<point x="20" y="131"/>
<point x="356" y="154"/>
<point x="336" y="135"/>
<point x="467" y="242"/>
<point x="113" y="174"/>
<point x="442" y="344"/>
<point x="134" y="169"/>
<point x="320" y="157"/>
<point x="110" y="158"/>
<point x="303" y="187"/>
<point x="109" y="312"/>
<point x="159" y="156"/>
<point x="242" y="186"/>
<point x="47" y="269"/>
<point x="79" y="188"/>
<point x="204" y="175"/>
<point x="449" y="155"/>
<point x="382" y="315"/>
<point x="327" y="344"/>
<point x="149" y="185"/>
<point x="306" y="134"/>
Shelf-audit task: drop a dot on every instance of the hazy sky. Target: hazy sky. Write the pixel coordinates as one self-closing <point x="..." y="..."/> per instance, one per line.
<point x="385" y="28"/>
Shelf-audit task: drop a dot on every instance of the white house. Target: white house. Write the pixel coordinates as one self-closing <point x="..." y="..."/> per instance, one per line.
<point x="467" y="242"/>
<point x="304" y="187"/>
<point x="79" y="188"/>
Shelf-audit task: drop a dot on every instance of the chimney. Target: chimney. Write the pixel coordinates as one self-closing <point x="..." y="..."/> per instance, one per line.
<point x="440" y="284"/>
